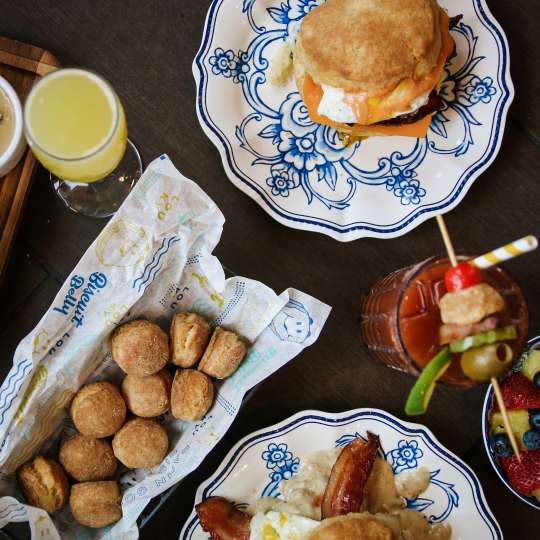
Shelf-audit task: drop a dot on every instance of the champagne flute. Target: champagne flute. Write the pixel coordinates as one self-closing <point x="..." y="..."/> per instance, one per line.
<point x="76" y="127"/>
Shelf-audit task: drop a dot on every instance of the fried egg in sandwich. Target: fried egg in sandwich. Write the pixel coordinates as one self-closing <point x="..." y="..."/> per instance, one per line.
<point x="373" y="67"/>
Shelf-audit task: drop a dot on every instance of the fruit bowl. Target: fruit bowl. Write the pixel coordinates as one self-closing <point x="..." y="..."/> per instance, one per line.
<point x="534" y="344"/>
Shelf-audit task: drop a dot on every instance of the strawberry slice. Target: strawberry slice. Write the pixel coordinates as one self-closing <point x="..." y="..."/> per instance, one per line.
<point x="520" y="393"/>
<point x="524" y="476"/>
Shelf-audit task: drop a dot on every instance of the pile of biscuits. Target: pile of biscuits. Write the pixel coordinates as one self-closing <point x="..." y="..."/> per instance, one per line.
<point x="99" y="410"/>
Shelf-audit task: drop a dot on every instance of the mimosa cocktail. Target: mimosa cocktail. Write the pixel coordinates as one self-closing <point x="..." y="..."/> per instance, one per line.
<point x="76" y="127"/>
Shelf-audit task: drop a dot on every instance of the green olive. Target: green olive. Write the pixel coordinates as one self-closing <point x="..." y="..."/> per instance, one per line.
<point x="483" y="363"/>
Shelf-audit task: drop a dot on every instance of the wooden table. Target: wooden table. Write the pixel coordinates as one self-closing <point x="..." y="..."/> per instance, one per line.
<point x="145" y="48"/>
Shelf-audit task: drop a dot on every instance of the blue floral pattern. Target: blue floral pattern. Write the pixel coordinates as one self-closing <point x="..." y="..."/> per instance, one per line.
<point x="480" y="89"/>
<point x="405" y="456"/>
<point x="230" y="65"/>
<point x="222" y="62"/>
<point x="311" y="156"/>
<point x="282" y="465"/>
<point x="283" y="179"/>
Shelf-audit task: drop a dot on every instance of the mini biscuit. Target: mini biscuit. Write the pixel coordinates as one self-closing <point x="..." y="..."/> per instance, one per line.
<point x="98" y="410"/>
<point x="148" y="397"/>
<point x="352" y="526"/>
<point x="190" y="333"/>
<point x="192" y="394"/>
<point x="87" y="459"/>
<point x="44" y="484"/>
<point x="140" y="348"/>
<point x="141" y="443"/>
<point x="96" y="504"/>
<point x="223" y="355"/>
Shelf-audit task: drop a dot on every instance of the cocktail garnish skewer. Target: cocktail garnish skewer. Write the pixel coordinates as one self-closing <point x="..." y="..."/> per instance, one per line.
<point x="494" y="381"/>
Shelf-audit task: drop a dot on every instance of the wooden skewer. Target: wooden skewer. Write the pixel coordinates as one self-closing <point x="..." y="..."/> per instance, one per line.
<point x="497" y="389"/>
<point x="446" y="239"/>
<point x="506" y="420"/>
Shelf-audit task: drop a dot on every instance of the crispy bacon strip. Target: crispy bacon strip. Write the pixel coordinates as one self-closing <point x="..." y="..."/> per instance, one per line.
<point x="345" y="489"/>
<point x="434" y="103"/>
<point x="222" y="520"/>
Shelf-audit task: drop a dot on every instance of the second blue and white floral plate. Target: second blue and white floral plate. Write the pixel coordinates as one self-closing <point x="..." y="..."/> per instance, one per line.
<point x="259" y="462"/>
<point x="299" y="172"/>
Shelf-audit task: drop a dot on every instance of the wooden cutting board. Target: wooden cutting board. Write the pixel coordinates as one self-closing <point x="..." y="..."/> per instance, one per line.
<point x="21" y="64"/>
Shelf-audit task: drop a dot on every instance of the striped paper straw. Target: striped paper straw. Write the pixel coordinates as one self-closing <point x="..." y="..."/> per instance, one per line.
<point x="497" y="256"/>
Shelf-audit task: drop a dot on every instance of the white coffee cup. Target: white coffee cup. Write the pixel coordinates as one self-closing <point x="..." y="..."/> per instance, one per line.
<point x="17" y="146"/>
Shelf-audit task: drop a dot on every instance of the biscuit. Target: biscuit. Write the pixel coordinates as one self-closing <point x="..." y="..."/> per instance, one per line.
<point x="190" y="333"/>
<point x="370" y="45"/>
<point x="141" y="443"/>
<point x="87" y="459"/>
<point x="223" y="355"/>
<point x="98" y="410"/>
<point x="192" y="394"/>
<point x="96" y="504"/>
<point x="44" y="484"/>
<point x="351" y="527"/>
<point x="140" y="348"/>
<point x="148" y="397"/>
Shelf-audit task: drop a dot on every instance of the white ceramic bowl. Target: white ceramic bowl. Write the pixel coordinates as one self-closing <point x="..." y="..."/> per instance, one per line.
<point x="16" y="148"/>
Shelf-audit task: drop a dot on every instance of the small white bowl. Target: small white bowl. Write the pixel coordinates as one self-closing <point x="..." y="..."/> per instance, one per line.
<point x="17" y="146"/>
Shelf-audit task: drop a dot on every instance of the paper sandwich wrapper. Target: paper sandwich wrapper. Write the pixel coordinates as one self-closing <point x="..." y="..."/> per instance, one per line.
<point x="153" y="259"/>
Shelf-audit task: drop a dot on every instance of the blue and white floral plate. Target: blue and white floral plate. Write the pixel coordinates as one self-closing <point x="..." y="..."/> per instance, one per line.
<point x="259" y="462"/>
<point x="299" y="171"/>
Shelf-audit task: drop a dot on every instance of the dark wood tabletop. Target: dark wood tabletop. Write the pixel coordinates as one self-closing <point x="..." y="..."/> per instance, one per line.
<point x="145" y="48"/>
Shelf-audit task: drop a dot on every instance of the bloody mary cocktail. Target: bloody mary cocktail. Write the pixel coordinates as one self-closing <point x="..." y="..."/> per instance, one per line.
<point x="401" y="320"/>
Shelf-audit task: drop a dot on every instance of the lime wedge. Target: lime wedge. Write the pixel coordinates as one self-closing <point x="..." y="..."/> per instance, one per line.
<point x="421" y="392"/>
<point x="484" y="338"/>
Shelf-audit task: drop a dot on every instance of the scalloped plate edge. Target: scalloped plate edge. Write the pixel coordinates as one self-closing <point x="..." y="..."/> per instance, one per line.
<point x="347" y="234"/>
<point x="347" y="417"/>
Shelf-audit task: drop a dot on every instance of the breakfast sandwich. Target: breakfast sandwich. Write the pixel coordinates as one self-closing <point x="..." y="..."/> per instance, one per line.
<point x="373" y="67"/>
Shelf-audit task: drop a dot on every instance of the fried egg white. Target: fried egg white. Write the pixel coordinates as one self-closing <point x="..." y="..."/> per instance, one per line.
<point x="280" y="526"/>
<point x="334" y="105"/>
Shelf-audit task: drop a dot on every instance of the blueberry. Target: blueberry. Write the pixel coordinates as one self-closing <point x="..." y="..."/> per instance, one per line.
<point x="531" y="439"/>
<point x="536" y="379"/>
<point x="500" y="445"/>
<point x="534" y="418"/>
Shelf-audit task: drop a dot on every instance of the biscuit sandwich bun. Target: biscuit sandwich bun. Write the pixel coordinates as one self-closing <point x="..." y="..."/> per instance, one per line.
<point x="373" y="67"/>
<point x="352" y="527"/>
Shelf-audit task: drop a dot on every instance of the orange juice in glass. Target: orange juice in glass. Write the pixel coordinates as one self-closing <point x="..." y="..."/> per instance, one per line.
<point x="76" y="127"/>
